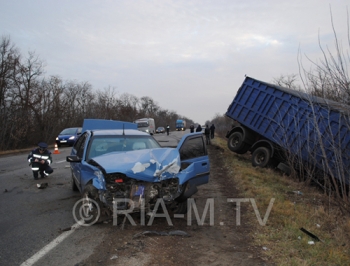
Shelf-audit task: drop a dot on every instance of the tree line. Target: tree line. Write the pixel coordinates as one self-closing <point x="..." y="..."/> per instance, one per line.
<point x="36" y="108"/>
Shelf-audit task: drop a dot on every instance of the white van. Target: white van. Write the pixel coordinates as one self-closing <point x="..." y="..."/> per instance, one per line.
<point x="146" y="124"/>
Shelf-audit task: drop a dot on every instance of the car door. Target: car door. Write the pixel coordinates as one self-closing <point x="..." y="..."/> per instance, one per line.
<point x="78" y="150"/>
<point x="194" y="159"/>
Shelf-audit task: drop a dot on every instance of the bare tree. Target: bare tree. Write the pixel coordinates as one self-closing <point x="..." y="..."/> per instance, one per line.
<point x="26" y="98"/>
<point x="287" y="81"/>
<point x="107" y="104"/>
<point x="9" y="62"/>
<point x="149" y="106"/>
<point x="129" y="107"/>
<point x="330" y="76"/>
<point x="34" y="108"/>
<point x="328" y="125"/>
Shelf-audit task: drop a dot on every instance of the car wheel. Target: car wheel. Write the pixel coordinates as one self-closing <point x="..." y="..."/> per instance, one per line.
<point x="92" y="205"/>
<point x="74" y="185"/>
<point x="261" y="157"/>
<point x="178" y="207"/>
<point x="91" y="191"/>
<point x="236" y="144"/>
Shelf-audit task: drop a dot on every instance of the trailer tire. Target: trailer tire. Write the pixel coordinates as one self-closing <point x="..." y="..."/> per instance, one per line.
<point x="284" y="168"/>
<point x="261" y="157"/>
<point x="236" y="144"/>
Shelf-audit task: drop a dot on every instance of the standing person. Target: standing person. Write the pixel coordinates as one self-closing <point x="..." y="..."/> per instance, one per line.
<point x="167" y="130"/>
<point x="192" y="128"/>
<point x="40" y="160"/>
<point x="207" y="134"/>
<point x="212" y="130"/>
<point x="199" y="128"/>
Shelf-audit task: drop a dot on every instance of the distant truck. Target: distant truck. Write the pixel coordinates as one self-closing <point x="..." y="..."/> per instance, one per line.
<point x="288" y="128"/>
<point x="180" y="125"/>
<point x="146" y="125"/>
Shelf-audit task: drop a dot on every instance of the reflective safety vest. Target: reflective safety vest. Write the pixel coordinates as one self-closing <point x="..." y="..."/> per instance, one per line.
<point x="35" y="154"/>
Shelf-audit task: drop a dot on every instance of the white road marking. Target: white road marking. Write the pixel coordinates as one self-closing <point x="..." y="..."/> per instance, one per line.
<point x="61" y="161"/>
<point x="41" y="253"/>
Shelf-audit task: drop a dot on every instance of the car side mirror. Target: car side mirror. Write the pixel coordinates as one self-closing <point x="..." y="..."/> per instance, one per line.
<point x="73" y="159"/>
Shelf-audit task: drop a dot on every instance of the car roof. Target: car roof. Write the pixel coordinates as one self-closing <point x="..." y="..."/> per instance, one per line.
<point x="102" y="124"/>
<point x="118" y="132"/>
<point x="70" y="128"/>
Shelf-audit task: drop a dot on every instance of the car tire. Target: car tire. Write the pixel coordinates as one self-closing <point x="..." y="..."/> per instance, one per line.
<point x="91" y="191"/>
<point x="74" y="185"/>
<point x="261" y="157"/>
<point x="90" y="195"/>
<point x="178" y="207"/>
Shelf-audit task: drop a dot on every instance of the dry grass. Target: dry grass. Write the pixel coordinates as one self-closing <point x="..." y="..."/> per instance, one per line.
<point x="316" y="212"/>
<point x="25" y="150"/>
<point x="11" y="152"/>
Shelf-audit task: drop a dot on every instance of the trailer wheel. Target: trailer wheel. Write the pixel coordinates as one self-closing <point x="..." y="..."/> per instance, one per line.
<point x="261" y="157"/>
<point x="236" y="144"/>
<point x="284" y="168"/>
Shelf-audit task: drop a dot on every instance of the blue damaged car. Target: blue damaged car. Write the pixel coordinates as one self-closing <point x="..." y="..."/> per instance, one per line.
<point x="114" y="163"/>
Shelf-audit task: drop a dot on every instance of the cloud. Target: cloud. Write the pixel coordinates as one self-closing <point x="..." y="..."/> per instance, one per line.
<point x="193" y="52"/>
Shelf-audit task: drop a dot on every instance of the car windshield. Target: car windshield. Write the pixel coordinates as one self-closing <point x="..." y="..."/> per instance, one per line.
<point x="100" y="145"/>
<point x="69" y="131"/>
<point x="142" y="124"/>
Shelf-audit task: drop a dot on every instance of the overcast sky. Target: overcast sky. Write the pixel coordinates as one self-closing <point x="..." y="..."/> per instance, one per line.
<point x="190" y="56"/>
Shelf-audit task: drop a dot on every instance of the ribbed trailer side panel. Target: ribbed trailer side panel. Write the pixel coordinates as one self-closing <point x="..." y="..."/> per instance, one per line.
<point x="314" y="129"/>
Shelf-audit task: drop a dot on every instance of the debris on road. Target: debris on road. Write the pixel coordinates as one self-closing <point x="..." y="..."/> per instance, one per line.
<point x="42" y="185"/>
<point x="298" y="192"/>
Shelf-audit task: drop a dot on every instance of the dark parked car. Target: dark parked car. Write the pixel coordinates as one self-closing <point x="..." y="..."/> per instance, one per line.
<point x="128" y="167"/>
<point x="68" y="136"/>
<point x="160" y="130"/>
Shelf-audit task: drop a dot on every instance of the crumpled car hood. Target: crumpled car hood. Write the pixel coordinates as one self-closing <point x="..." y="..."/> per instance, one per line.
<point x="149" y="165"/>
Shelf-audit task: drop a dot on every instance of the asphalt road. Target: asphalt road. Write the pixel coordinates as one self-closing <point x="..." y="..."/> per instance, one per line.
<point x="35" y="224"/>
<point x="171" y="140"/>
<point x="32" y="217"/>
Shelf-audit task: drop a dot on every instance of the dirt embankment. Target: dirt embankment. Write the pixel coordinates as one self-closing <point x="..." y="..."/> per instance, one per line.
<point x="217" y="242"/>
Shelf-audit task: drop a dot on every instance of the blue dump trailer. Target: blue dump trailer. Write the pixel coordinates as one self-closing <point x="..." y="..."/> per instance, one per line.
<point x="288" y="128"/>
<point x="180" y="125"/>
